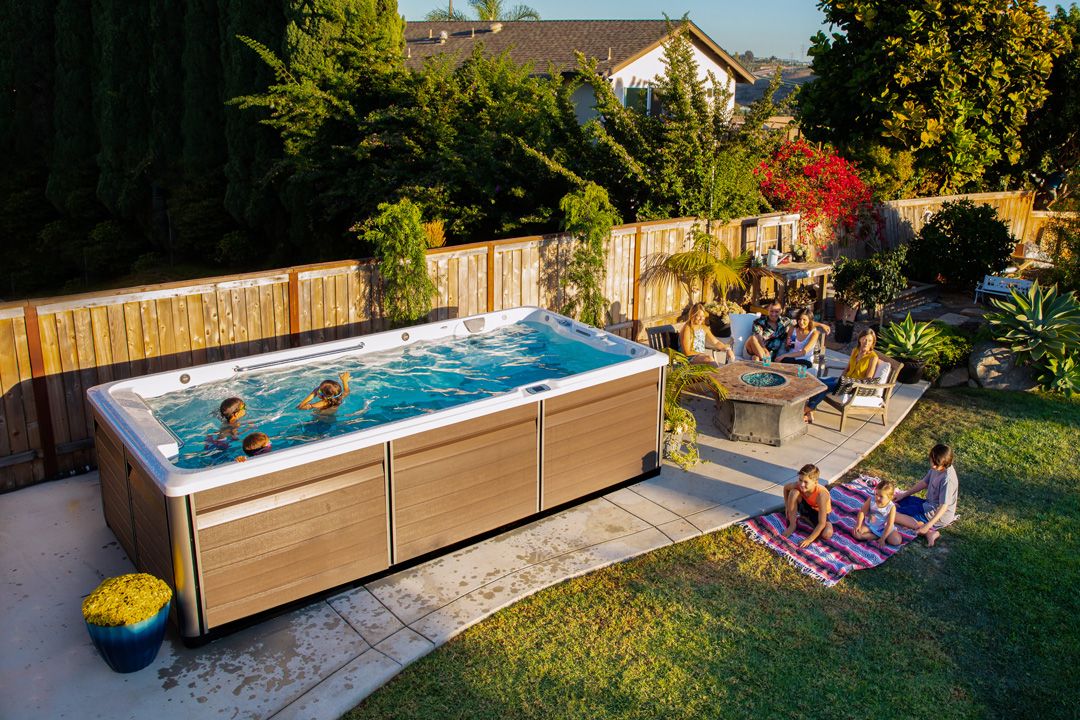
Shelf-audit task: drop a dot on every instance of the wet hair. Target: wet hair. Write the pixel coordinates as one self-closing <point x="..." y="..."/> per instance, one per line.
<point x="871" y="333"/>
<point x="942" y="455"/>
<point x="810" y="472"/>
<point x="255" y="443"/>
<point x="229" y="407"/>
<point x="329" y="391"/>
<point x="888" y="485"/>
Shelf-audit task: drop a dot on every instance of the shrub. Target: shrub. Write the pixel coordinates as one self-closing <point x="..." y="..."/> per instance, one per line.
<point x="953" y="352"/>
<point x="961" y="243"/>
<point x="589" y="217"/>
<point x="400" y="241"/>
<point x="871" y="282"/>
<point x="1065" y="250"/>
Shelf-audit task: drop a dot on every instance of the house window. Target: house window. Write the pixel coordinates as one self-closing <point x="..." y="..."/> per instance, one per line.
<point x="637" y="98"/>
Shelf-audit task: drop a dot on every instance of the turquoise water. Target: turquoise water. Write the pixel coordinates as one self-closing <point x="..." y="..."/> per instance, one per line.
<point x="385" y="387"/>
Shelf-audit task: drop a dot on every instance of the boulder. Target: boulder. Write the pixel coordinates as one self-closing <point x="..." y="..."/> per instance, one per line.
<point x="954" y="378"/>
<point x="994" y="367"/>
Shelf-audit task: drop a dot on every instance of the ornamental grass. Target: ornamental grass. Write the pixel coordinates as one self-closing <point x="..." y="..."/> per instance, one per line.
<point x="126" y="600"/>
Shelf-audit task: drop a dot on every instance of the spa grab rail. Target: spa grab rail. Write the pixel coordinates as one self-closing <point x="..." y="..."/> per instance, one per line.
<point x="286" y="361"/>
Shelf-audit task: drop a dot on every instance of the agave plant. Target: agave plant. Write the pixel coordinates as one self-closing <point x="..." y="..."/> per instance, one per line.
<point x="679" y="422"/>
<point x="707" y="264"/>
<point x="1060" y="374"/>
<point x="910" y="340"/>
<point x="1037" y="323"/>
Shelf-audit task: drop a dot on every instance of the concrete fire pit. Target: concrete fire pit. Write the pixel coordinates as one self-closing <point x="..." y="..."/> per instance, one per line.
<point x="764" y="404"/>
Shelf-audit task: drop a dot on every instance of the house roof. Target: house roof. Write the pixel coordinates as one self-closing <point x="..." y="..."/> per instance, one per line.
<point x="540" y="43"/>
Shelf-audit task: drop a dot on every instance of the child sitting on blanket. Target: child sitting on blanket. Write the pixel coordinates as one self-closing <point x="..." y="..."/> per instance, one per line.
<point x="808" y="499"/>
<point x="877" y="517"/>
<point x="927" y="517"/>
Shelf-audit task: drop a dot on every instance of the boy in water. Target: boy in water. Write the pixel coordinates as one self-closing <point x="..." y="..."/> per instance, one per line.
<point x="256" y="443"/>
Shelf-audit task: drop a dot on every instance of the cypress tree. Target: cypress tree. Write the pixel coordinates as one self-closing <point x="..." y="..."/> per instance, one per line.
<point x="203" y="117"/>
<point x="26" y="79"/>
<point x="166" y="24"/>
<point x="252" y="147"/>
<point x="73" y="171"/>
<point x="121" y="110"/>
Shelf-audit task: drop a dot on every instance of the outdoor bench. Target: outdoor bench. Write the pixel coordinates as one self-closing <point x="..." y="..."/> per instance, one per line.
<point x="994" y="285"/>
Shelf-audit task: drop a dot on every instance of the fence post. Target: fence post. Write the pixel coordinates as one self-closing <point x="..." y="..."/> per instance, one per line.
<point x="491" y="277"/>
<point x="294" y="308"/>
<point x="41" y="392"/>
<point x="635" y="311"/>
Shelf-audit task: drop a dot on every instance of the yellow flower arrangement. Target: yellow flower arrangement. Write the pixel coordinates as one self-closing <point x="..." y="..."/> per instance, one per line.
<point x="126" y="600"/>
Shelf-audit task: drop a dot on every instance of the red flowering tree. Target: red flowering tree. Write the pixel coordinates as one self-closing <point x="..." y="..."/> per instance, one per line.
<point x="824" y="188"/>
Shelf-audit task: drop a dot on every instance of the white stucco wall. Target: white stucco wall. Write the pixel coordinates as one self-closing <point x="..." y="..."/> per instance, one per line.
<point x="642" y="71"/>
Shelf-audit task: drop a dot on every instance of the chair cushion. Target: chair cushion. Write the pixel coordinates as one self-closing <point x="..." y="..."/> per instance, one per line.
<point x="868" y="401"/>
<point x="742" y="327"/>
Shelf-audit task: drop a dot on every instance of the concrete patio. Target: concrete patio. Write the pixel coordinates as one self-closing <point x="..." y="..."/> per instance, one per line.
<point x="321" y="660"/>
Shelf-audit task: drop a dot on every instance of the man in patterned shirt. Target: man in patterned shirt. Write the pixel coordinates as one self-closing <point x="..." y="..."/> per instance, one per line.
<point x="770" y="331"/>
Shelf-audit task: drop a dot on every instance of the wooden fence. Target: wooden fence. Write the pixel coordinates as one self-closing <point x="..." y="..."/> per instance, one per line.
<point x="52" y="350"/>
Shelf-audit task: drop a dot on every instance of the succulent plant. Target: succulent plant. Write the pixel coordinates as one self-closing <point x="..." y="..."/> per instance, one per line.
<point x="910" y="340"/>
<point x="1060" y="375"/>
<point x="1037" y="323"/>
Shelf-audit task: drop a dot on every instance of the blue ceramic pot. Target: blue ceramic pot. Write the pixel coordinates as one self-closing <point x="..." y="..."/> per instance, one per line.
<point x="127" y="648"/>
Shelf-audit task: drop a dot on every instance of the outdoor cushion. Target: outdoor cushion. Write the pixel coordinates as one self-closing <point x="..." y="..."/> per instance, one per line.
<point x="867" y="401"/>
<point x="742" y="327"/>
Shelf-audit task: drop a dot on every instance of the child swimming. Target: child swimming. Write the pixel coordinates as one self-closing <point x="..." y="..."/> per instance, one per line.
<point x="327" y="397"/>
<point x="256" y="443"/>
<point x="231" y="411"/>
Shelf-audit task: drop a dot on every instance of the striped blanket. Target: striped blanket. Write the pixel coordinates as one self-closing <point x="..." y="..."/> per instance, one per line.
<point x="827" y="560"/>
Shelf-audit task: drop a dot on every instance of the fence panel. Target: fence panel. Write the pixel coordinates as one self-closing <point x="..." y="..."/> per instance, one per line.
<point x="20" y="461"/>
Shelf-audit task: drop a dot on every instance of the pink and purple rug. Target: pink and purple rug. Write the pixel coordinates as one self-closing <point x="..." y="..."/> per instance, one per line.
<point x="828" y="560"/>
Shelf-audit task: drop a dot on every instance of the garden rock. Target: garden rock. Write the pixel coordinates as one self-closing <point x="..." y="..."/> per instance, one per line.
<point x="954" y="378"/>
<point x="994" y="367"/>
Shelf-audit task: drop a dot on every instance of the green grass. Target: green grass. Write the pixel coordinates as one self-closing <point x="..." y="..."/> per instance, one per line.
<point x="985" y="624"/>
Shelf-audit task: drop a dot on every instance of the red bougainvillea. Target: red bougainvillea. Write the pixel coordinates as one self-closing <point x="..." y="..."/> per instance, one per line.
<point x="821" y="186"/>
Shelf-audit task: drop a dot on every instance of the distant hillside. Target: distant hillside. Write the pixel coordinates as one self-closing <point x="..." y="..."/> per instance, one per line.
<point x="793" y="76"/>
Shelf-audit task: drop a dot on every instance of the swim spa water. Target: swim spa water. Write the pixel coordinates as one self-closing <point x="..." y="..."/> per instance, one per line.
<point x="385" y="387"/>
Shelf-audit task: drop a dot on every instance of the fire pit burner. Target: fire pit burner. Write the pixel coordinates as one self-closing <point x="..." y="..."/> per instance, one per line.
<point x="763" y="379"/>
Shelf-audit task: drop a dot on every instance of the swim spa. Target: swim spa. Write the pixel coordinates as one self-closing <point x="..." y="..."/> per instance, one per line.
<point x="400" y="473"/>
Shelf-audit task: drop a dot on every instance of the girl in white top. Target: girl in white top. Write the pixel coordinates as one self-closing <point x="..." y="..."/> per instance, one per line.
<point x="801" y="341"/>
<point x="877" y="517"/>
<point x="696" y="339"/>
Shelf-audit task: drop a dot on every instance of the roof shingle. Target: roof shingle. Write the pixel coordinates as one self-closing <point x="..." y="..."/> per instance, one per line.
<point x="540" y="43"/>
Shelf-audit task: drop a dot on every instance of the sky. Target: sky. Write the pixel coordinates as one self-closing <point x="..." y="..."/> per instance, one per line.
<point x="767" y="27"/>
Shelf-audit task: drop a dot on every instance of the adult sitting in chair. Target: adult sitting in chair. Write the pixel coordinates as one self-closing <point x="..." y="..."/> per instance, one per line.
<point x="802" y="340"/>
<point x="862" y="365"/>
<point x="696" y="338"/>
<point x="770" y="332"/>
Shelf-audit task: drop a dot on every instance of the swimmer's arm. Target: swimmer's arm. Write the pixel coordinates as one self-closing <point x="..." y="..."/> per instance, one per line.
<point x="344" y="384"/>
<point x="306" y="403"/>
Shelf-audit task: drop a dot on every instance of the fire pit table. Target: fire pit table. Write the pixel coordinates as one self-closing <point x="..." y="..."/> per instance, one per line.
<point x="764" y="404"/>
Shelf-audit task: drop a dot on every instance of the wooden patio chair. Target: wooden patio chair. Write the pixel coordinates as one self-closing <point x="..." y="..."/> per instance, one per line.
<point x="868" y="405"/>
<point x="662" y="337"/>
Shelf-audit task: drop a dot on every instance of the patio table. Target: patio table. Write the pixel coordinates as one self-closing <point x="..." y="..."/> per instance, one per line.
<point x="772" y="414"/>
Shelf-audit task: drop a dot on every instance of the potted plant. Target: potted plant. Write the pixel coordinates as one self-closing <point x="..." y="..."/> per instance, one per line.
<point x="846" y="273"/>
<point x="126" y="617"/>
<point x="912" y="343"/>
<point x="680" y="426"/>
<point x="800" y="298"/>
<point x="800" y="252"/>
<point x="720" y="315"/>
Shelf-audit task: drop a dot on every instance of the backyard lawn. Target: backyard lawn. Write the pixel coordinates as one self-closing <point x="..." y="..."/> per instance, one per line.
<point x="986" y="624"/>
